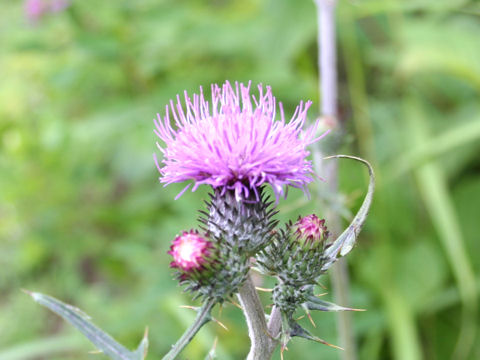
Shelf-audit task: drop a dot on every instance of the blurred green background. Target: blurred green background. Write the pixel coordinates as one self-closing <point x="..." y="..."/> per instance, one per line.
<point x="83" y="217"/>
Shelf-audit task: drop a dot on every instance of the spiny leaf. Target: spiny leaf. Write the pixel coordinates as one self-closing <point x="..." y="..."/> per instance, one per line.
<point x="297" y="330"/>
<point x="344" y="243"/>
<point x="104" y="342"/>
<point x="317" y="304"/>
<point x="141" y="351"/>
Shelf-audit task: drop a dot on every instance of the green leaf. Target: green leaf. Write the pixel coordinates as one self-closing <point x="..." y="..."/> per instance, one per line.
<point x="433" y="189"/>
<point x="345" y="242"/>
<point x="297" y="330"/>
<point x="99" y="338"/>
<point x="315" y="303"/>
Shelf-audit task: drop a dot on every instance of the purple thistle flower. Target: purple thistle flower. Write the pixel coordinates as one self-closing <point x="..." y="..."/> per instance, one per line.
<point x="235" y="143"/>
<point x="35" y="9"/>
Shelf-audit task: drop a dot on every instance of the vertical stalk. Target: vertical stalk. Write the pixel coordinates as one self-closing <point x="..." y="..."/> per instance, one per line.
<point x="327" y="62"/>
<point x="327" y="56"/>
<point x="262" y="345"/>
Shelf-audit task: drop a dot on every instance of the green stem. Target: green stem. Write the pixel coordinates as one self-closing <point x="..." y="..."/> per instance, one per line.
<point x="262" y="345"/>
<point x="203" y="316"/>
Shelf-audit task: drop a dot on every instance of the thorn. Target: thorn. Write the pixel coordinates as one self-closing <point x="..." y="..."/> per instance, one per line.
<point x="284" y="347"/>
<point x="322" y="294"/>
<point x="188" y="307"/>
<point x="219" y="323"/>
<point x="263" y="289"/>
<point x="328" y="344"/>
<point x="300" y="318"/>
<point x="211" y="353"/>
<point x="145" y="334"/>
<point x="236" y="304"/>
<point x="220" y="309"/>
<point x="311" y="320"/>
<point x="95" y="352"/>
<point x="322" y="286"/>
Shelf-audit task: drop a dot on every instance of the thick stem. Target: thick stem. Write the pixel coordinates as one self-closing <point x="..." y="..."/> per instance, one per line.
<point x="203" y="316"/>
<point x="262" y="344"/>
<point x="275" y="324"/>
<point x="328" y="89"/>
<point x="274" y="328"/>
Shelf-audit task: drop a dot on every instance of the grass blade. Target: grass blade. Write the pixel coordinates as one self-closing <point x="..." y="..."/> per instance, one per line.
<point x="433" y="189"/>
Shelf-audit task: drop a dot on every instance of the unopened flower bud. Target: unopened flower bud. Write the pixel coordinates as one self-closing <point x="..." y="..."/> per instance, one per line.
<point x="311" y="230"/>
<point x="296" y="255"/>
<point x="190" y="251"/>
<point x="207" y="267"/>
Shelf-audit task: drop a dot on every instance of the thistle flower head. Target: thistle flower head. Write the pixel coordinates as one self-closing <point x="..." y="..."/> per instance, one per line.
<point x="311" y="229"/>
<point x="235" y="142"/>
<point x="35" y="9"/>
<point x="190" y="251"/>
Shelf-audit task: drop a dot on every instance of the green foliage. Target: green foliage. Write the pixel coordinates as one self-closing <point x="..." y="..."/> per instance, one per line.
<point x="83" y="217"/>
<point x="81" y="321"/>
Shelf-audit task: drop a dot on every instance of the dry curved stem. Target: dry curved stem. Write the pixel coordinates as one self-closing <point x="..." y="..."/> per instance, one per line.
<point x="345" y="242"/>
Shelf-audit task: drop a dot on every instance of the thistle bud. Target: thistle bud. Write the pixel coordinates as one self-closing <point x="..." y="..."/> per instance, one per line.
<point x="190" y="252"/>
<point x="311" y="230"/>
<point x="296" y="254"/>
<point x="207" y="266"/>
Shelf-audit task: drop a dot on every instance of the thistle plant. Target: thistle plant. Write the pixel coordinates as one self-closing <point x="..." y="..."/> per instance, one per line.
<point x="240" y="144"/>
<point x="236" y="145"/>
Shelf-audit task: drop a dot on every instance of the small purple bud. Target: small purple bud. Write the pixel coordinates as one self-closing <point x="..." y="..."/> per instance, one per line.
<point x="311" y="229"/>
<point x="190" y="251"/>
